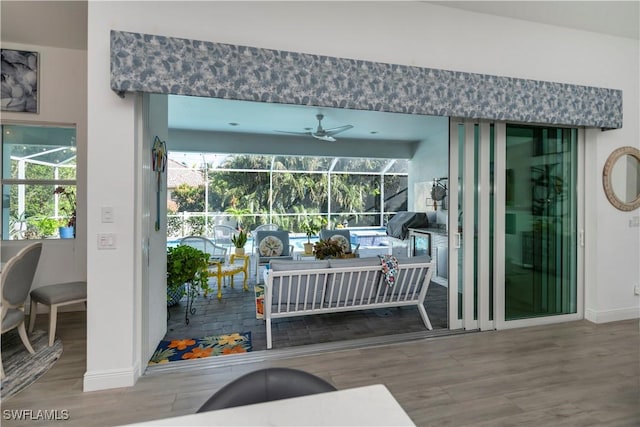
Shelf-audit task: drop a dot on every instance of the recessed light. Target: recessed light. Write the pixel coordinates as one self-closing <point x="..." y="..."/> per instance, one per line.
<point x="233" y="124"/>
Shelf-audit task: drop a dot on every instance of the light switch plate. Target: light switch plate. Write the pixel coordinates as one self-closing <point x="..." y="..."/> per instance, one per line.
<point x="107" y="214"/>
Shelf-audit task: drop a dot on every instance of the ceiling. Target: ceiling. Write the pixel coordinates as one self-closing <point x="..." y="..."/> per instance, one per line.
<point x="618" y="18"/>
<point x="223" y="115"/>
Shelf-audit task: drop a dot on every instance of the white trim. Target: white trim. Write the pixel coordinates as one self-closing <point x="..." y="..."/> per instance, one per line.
<point x="454" y="322"/>
<point x="141" y="251"/>
<point x="538" y="321"/>
<point x="500" y="185"/>
<point x="580" y="221"/>
<point x="614" y="315"/>
<point x="468" y="226"/>
<point x="110" y="378"/>
<point x="484" y="201"/>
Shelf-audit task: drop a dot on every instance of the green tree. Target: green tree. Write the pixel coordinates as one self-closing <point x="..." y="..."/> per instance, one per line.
<point x="188" y="198"/>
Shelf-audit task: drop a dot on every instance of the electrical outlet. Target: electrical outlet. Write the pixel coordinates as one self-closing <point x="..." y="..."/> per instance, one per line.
<point x="636" y="290"/>
<point x="106" y="241"/>
<point x="634" y="222"/>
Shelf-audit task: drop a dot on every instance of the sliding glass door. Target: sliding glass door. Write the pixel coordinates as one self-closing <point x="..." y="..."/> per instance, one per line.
<point x="515" y="225"/>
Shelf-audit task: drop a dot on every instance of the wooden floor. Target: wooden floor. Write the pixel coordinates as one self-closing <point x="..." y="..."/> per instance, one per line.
<point x="572" y="374"/>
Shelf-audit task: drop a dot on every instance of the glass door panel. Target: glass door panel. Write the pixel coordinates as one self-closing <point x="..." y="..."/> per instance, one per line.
<point x="471" y="213"/>
<point x="540" y="222"/>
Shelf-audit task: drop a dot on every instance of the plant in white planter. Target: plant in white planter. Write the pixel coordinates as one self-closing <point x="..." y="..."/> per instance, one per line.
<point x="311" y="227"/>
<point x="239" y="240"/>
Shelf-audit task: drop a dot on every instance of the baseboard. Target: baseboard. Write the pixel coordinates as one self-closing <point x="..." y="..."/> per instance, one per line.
<point x="606" y="316"/>
<point x="111" y="378"/>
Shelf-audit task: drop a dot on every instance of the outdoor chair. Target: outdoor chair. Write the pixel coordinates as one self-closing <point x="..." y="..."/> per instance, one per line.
<point x="265" y="385"/>
<point x="15" y="283"/>
<point x="343" y="237"/>
<point x="205" y="245"/>
<point x="263" y="227"/>
<point x="217" y="256"/>
<point x="271" y="244"/>
<point x="222" y="235"/>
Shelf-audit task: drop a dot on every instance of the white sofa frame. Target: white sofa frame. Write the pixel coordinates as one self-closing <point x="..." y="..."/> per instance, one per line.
<point x="340" y="289"/>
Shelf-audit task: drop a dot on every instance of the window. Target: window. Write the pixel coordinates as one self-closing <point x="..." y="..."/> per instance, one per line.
<point x="35" y="161"/>
<point x="281" y="189"/>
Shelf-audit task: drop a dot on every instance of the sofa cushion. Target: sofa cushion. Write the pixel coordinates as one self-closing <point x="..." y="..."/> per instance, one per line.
<point x="354" y="262"/>
<point x="282" y="265"/>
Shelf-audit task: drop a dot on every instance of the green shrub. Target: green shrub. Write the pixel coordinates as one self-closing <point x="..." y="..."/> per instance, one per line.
<point x="186" y="264"/>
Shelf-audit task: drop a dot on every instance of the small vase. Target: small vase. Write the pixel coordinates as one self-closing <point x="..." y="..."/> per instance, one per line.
<point x="308" y="248"/>
<point x="240" y="251"/>
<point x="65" y="232"/>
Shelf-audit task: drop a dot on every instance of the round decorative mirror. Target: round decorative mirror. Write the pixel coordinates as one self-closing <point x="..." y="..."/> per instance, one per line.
<point x="621" y="178"/>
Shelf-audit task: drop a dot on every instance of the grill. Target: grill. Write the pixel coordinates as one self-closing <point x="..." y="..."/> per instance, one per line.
<point x="398" y="226"/>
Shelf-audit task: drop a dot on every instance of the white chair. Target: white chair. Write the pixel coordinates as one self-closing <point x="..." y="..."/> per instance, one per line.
<point x="217" y="253"/>
<point x="205" y="245"/>
<point x="16" y="281"/>
<point x="222" y="235"/>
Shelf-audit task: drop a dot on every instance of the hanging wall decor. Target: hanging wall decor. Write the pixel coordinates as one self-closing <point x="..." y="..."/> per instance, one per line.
<point x="19" y="80"/>
<point x="158" y="165"/>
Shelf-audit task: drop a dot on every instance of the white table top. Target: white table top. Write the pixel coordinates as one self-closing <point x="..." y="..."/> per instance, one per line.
<point x="372" y="405"/>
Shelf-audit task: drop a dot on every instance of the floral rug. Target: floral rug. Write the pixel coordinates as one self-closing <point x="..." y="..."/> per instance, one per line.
<point x="198" y="348"/>
<point x="259" y="290"/>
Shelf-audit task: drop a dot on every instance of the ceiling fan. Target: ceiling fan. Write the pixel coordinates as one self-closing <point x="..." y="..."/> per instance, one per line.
<point x="321" y="133"/>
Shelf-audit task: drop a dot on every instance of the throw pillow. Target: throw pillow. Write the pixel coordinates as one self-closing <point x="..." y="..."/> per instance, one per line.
<point x="270" y="246"/>
<point x="342" y="241"/>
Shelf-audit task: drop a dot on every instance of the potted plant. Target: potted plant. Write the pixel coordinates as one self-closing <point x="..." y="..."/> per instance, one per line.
<point x="67" y="227"/>
<point x="239" y="240"/>
<point x="186" y="264"/>
<point x="46" y="227"/>
<point x="311" y="227"/>
<point x="330" y="248"/>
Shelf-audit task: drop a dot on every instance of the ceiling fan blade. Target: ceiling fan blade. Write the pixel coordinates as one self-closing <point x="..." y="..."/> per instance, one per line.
<point x="294" y="133"/>
<point x="327" y="138"/>
<point x="335" y="131"/>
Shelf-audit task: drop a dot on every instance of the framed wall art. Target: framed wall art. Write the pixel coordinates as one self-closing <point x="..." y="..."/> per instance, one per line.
<point x="20" y="80"/>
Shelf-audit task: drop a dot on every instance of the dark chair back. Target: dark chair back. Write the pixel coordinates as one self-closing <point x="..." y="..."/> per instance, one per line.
<point x="265" y="385"/>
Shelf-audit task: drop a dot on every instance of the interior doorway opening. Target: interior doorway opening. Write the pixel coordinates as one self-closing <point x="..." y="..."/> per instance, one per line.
<point x="426" y="160"/>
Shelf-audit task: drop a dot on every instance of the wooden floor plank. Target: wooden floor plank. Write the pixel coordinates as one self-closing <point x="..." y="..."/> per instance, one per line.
<point x="572" y="374"/>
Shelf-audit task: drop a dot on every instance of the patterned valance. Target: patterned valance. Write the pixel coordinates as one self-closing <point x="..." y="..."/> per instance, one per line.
<point x="169" y="65"/>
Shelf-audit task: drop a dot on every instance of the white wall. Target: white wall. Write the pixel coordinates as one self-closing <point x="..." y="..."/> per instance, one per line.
<point x="431" y="160"/>
<point x="63" y="100"/>
<point x="410" y="33"/>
